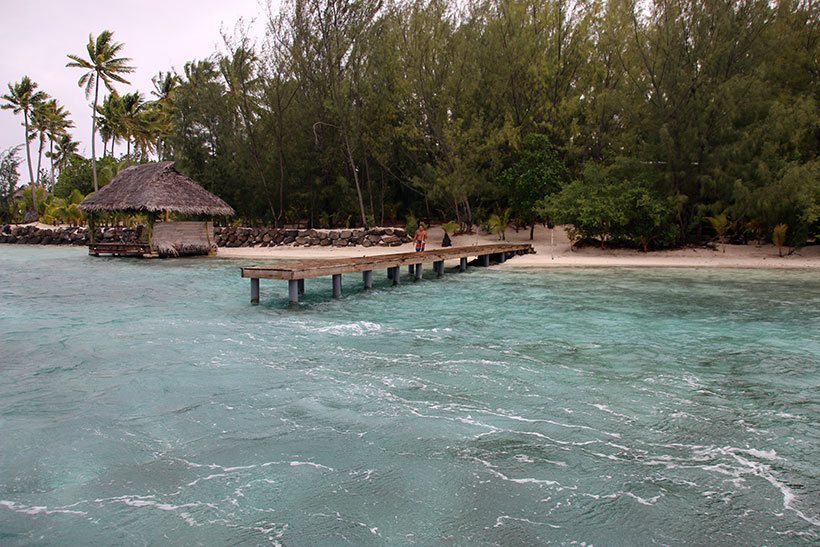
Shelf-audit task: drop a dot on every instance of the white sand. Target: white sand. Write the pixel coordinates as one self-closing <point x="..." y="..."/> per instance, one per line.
<point x="559" y="254"/>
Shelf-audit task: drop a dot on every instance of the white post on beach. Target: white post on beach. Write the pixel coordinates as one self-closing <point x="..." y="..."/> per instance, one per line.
<point x="337" y="285"/>
<point x="552" y="243"/>
<point x="367" y="278"/>
<point x="254" y="290"/>
<point x="293" y="291"/>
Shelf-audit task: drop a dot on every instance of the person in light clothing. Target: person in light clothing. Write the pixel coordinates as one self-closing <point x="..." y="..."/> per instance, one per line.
<point x="420" y="238"/>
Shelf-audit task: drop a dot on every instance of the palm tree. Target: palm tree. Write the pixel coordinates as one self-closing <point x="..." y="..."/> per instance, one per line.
<point x="102" y="64"/>
<point x="22" y="97"/>
<point x="132" y="106"/>
<point x="57" y="125"/>
<point x="65" y="148"/>
<point x="109" y="120"/>
<point x="165" y="85"/>
<point x="39" y="126"/>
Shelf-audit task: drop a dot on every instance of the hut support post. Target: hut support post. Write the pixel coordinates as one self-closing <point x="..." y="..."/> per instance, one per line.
<point x="367" y="278"/>
<point x="337" y="285"/>
<point x="152" y="218"/>
<point x="293" y="290"/>
<point x="254" y="290"/>
<point x="92" y="227"/>
<point x="462" y="264"/>
<point x="419" y="271"/>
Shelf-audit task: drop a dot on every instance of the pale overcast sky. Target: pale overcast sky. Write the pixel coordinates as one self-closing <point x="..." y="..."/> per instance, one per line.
<point x="36" y="36"/>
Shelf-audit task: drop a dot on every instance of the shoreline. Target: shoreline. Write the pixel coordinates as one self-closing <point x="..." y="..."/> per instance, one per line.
<point x="551" y="252"/>
<point x="559" y="255"/>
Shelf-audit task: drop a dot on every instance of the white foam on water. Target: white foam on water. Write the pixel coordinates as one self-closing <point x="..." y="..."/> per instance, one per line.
<point x="749" y="467"/>
<point x="357" y="328"/>
<point x="311" y="464"/>
<point x="645" y="501"/>
<point x="207" y="478"/>
<point x="493" y="469"/>
<point x="499" y="522"/>
<point x="41" y="509"/>
<point x="608" y="410"/>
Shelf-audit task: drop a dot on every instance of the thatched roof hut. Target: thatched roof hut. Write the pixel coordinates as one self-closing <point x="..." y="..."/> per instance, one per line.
<point x="154" y="187"/>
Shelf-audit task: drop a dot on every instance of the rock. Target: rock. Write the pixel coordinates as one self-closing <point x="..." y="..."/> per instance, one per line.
<point x="391" y="240"/>
<point x="345" y="234"/>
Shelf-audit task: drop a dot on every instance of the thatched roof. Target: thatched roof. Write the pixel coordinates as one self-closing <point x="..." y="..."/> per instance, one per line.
<point x="155" y="187"/>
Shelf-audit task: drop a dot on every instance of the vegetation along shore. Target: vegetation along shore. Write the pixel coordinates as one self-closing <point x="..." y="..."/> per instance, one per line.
<point x="643" y="126"/>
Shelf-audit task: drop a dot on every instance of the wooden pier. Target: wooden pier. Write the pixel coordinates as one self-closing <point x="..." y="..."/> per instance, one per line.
<point x="295" y="273"/>
<point x="121" y="249"/>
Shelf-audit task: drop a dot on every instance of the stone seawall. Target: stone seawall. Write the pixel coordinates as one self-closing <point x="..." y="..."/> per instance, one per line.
<point x="271" y="237"/>
<point x="230" y="236"/>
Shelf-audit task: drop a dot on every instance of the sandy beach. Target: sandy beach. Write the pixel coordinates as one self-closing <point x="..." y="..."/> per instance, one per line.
<point x="557" y="253"/>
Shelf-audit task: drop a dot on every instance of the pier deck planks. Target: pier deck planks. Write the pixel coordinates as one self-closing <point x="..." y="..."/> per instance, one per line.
<point x="334" y="266"/>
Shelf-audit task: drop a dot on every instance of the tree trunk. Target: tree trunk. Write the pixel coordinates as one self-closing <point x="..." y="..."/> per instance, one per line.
<point x="40" y="157"/>
<point x="94" y="132"/>
<point x="28" y="158"/>
<point x="369" y="187"/>
<point x="355" y="179"/>
<point x="51" y="161"/>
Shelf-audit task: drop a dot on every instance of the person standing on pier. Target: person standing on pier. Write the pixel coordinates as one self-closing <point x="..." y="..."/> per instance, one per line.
<point x="420" y="238"/>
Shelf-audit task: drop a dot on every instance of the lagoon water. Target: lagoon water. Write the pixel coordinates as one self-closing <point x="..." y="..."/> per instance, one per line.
<point x="146" y="402"/>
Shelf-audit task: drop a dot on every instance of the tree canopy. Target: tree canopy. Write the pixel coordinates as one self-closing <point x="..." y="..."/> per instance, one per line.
<point x="634" y="120"/>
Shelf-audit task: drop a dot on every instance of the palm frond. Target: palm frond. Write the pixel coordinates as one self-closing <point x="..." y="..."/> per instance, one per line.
<point x="78" y="62"/>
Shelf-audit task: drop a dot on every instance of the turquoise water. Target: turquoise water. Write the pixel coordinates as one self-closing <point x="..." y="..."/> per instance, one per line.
<point x="146" y="402"/>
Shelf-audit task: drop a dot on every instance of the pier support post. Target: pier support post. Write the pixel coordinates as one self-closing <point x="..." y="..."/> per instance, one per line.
<point x="367" y="278"/>
<point x="502" y="258"/>
<point x="293" y="291"/>
<point x="411" y="269"/>
<point x="254" y="290"/>
<point x="485" y="261"/>
<point x="396" y="275"/>
<point x="301" y="284"/>
<point x="462" y="264"/>
<point x="337" y="285"/>
<point x="438" y="267"/>
<point x="419" y="271"/>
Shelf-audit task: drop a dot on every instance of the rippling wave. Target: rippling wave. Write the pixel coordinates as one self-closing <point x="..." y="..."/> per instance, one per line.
<point x="145" y="402"/>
